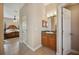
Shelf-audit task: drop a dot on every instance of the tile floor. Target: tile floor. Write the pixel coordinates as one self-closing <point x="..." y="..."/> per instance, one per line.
<point x="13" y="47"/>
<point x="72" y="53"/>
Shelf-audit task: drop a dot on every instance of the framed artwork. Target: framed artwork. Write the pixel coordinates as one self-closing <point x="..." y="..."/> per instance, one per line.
<point x="44" y="23"/>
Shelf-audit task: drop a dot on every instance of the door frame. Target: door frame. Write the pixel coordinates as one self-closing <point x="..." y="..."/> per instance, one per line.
<point x="60" y="27"/>
<point x="3" y="29"/>
<point x="2" y="34"/>
<point x="68" y="32"/>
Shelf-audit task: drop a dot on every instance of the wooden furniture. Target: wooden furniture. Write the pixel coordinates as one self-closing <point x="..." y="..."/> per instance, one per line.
<point x="49" y="40"/>
<point x="13" y="34"/>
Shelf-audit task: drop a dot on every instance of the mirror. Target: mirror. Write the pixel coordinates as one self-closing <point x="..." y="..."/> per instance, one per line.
<point x="52" y="23"/>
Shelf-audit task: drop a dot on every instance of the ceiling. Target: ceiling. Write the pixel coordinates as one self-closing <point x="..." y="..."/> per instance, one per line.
<point x="51" y="9"/>
<point x="12" y="9"/>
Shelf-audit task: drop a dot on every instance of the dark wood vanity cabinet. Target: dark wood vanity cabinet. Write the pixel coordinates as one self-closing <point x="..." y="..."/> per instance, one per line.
<point x="44" y="40"/>
<point x="52" y="41"/>
<point x="49" y="40"/>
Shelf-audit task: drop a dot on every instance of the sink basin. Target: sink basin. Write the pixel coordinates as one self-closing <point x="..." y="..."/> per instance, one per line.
<point x="50" y="32"/>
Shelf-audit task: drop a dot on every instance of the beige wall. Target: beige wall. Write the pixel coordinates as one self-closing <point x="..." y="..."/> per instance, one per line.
<point x="75" y="26"/>
<point x="1" y="29"/>
<point x="44" y="17"/>
<point x="34" y="15"/>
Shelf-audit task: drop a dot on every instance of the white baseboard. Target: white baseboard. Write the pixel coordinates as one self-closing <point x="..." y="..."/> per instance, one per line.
<point x="33" y="49"/>
<point x="66" y="52"/>
<point x="74" y="51"/>
<point x="37" y="47"/>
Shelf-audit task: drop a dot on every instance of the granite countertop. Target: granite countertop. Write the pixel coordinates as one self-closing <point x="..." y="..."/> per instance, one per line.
<point x="49" y="32"/>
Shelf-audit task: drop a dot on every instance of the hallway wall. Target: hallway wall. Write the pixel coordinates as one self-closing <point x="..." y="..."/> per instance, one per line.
<point x="34" y="15"/>
<point x="75" y="26"/>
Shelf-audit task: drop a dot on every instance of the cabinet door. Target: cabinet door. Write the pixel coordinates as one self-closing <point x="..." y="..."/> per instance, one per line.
<point x="52" y="42"/>
<point x="44" y="41"/>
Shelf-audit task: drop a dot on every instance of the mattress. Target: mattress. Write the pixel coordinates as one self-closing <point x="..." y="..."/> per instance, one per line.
<point x="11" y="30"/>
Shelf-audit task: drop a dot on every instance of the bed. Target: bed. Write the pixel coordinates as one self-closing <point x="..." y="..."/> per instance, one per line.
<point x="11" y="32"/>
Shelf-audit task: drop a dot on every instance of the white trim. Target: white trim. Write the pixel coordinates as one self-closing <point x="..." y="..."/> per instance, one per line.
<point x="28" y="45"/>
<point x="67" y="52"/>
<point x="37" y="47"/>
<point x="59" y="31"/>
<point x="33" y="49"/>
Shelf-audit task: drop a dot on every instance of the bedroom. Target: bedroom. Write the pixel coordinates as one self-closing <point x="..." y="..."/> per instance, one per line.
<point x="11" y="28"/>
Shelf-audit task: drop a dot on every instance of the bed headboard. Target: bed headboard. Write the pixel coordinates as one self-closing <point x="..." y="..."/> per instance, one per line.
<point x="12" y="27"/>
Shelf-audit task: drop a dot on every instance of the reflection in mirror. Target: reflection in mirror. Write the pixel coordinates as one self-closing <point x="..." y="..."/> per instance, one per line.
<point x="52" y="21"/>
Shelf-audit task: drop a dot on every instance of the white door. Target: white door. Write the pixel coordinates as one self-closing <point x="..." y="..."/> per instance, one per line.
<point x="66" y="31"/>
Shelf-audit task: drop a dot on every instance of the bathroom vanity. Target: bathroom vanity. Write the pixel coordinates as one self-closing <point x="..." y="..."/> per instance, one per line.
<point x="49" y="39"/>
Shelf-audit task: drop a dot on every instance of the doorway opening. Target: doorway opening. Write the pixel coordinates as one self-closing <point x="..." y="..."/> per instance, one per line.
<point x="49" y="25"/>
<point x="11" y="28"/>
<point x="71" y="29"/>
